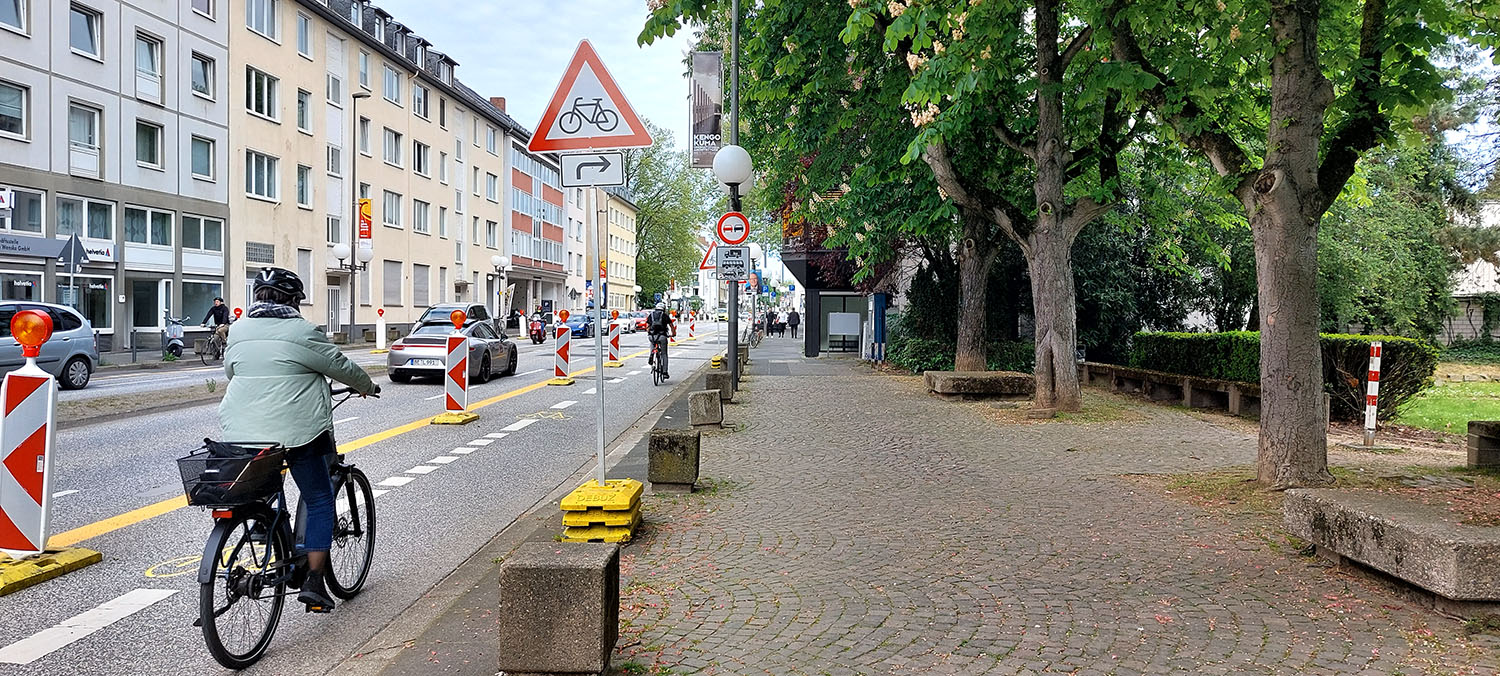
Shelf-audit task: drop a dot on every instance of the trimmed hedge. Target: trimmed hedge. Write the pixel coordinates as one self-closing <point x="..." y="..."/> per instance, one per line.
<point x="927" y="354"/>
<point x="1406" y="369"/>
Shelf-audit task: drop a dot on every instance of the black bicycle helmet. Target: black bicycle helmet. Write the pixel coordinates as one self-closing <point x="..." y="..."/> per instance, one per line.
<point x="282" y="280"/>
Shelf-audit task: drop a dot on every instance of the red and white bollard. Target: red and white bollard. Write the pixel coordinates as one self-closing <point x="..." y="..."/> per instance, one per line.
<point x="614" y="341"/>
<point x="692" y="325"/>
<point x="1372" y="395"/>
<point x="672" y="340"/>
<point x="26" y="442"/>
<point x="564" y="335"/>
<point x="456" y="376"/>
<point x="380" y="330"/>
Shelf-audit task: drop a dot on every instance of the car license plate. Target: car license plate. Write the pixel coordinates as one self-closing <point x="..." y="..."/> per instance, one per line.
<point x="426" y="362"/>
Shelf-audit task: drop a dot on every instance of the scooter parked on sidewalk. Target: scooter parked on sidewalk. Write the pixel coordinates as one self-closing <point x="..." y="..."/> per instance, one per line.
<point x="538" y="330"/>
<point x="173" y="344"/>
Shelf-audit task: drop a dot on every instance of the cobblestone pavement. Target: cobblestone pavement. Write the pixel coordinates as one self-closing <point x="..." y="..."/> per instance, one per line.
<point x="856" y="525"/>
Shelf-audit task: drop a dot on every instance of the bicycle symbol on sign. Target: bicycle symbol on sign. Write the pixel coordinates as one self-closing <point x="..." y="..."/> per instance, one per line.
<point x="593" y="113"/>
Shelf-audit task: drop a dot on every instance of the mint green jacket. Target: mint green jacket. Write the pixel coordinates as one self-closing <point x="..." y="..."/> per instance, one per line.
<point x="277" y="391"/>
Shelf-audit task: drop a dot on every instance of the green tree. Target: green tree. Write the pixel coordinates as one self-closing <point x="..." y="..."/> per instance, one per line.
<point x="674" y="203"/>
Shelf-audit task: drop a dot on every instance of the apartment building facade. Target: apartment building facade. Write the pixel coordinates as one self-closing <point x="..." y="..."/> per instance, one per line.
<point x="577" y="253"/>
<point x="114" y="127"/>
<point x="618" y="214"/>
<point x="337" y="98"/>
<point x="535" y="219"/>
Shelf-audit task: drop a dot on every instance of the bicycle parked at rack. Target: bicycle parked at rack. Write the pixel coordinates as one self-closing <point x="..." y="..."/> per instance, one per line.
<point x="251" y="556"/>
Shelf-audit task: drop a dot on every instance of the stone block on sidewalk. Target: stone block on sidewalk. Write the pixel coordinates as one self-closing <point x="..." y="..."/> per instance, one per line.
<point x="559" y="608"/>
<point x="719" y="380"/>
<point x="672" y="459"/>
<point x="986" y="384"/>
<point x="1484" y="443"/>
<point x="705" y="408"/>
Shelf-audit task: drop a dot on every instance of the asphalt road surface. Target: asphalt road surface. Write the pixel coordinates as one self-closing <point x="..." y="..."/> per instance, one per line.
<point x="117" y="490"/>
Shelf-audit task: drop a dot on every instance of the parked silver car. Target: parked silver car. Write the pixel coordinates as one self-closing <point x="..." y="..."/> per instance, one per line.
<point x="70" y="354"/>
<point x="423" y="353"/>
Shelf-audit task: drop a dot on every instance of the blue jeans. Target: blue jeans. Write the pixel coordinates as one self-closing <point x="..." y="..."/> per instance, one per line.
<point x="309" y="467"/>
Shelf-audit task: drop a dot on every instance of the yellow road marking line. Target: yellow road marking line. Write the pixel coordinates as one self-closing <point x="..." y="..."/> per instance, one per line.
<point x="135" y="516"/>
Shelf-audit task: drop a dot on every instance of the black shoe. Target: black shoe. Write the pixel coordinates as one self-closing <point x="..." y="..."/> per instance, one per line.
<point x="315" y="594"/>
<point x="665" y="377"/>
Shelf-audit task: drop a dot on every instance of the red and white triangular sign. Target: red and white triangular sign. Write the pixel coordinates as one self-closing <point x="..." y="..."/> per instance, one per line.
<point x="588" y="112"/>
<point x="709" y="262"/>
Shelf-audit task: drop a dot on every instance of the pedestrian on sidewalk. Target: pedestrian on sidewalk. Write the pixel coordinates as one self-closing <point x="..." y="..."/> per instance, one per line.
<point x="792" y="320"/>
<point x="770" y="321"/>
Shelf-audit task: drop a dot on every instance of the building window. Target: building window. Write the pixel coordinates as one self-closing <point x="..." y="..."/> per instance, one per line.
<point x="304" y="35"/>
<point x="380" y="28"/>
<point x="335" y="230"/>
<point x="491" y="234"/>
<point x="419" y="100"/>
<point x="304" y="186"/>
<point x="442" y="221"/>
<point x="391" y="282"/>
<point x="421" y="158"/>
<point x="148" y="226"/>
<point x="392" y="91"/>
<point x="260" y="16"/>
<point x="335" y="161"/>
<point x="148" y="67"/>
<point x="442" y="112"/>
<point x="203" y="158"/>
<point x="261" y="175"/>
<point x="83" y="140"/>
<point x="391" y="214"/>
<point x="26" y="212"/>
<point x="364" y="69"/>
<point x="364" y="135"/>
<point x="489" y="141"/>
<point x="13" y="108"/>
<point x="203" y="75"/>
<point x="260" y="94"/>
<point x="335" y="90"/>
<point x="85" y="218"/>
<point x="419" y="211"/>
<point x="304" y="111"/>
<point x="492" y="188"/>
<point x="204" y="7"/>
<point x="83" y="34"/>
<point x="148" y="144"/>
<point x="392" y="149"/>
<point x="421" y="278"/>
<point x="304" y="269"/>
<point x="443" y="168"/>
<point x="458" y="146"/>
<point x="445" y="71"/>
<point x="354" y="12"/>
<point x="13" y="14"/>
<point x="202" y="234"/>
<point x="476" y="181"/>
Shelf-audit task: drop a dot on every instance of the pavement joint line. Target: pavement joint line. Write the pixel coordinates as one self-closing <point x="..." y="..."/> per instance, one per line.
<point x="564" y="404"/>
<point x="396" y="481"/>
<point x="463" y="451"/>
<point x="443" y="459"/>
<point x="422" y="469"/>
<point x="74" y="536"/>
<point x="47" y="641"/>
<point x="481" y="442"/>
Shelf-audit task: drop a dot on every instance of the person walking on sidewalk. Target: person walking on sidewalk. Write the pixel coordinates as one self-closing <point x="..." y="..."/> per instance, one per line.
<point x="792" y="320"/>
<point x="770" y="321"/>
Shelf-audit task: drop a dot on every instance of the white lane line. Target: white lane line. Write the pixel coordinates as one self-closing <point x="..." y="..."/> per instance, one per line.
<point x="435" y="396"/>
<point x="443" y="459"/>
<point x="42" y="643"/>
<point x="463" y="451"/>
<point x="344" y="420"/>
<point x="497" y="435"/>
<point x="397" y="481"/>
<point x="591" y="390"/>
<point x="62" y="493"/>
<point x="527" y="373"/>
<point x="613" y="381"/>
<point x="481" y="442"/>
<point x="422" y="469"/>
<point x="378" y="492"/>
<point x="518" y="425"/>
<point x="563" y="404"/>
<point x="634" y="373"/>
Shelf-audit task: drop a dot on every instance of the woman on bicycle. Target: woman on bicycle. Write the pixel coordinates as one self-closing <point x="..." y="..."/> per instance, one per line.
<point x="277" y="363"/>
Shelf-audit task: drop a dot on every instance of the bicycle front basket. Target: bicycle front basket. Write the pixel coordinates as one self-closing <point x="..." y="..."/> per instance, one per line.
<point x="229" y="474"/>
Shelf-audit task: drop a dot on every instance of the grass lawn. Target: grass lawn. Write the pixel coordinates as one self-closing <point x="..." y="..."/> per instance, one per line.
<point x="1448" y="407"/>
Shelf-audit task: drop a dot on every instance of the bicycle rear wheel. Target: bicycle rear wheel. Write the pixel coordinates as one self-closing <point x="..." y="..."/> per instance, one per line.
<point x="353" y="550"/>
<point x="240" y="605"/>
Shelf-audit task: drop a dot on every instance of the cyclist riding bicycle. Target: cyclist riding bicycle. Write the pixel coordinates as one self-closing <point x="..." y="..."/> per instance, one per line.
<point x="659" y="326"/>
<point x="277" y="363"/>
<point x="219" y="316"/>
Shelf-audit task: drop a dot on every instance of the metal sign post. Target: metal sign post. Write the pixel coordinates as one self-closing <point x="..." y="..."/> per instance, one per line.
<point x="598" y="340"/>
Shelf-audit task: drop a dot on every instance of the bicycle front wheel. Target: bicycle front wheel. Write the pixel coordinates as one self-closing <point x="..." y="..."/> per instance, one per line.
<point x="353" y="550"/>
<point x="240" y="605"/>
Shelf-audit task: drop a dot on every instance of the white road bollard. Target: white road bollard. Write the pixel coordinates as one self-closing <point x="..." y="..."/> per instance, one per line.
<point x="27" y="438"/>
<point x="456" y="377"/>
<point x="614" y="342"/>
<point x="560" y="375"/>
<point x="380" y="332"/>
<point x="1372" y="395"/>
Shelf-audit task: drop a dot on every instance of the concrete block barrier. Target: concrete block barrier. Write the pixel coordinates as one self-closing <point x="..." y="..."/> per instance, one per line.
<point x="559" y="608"/>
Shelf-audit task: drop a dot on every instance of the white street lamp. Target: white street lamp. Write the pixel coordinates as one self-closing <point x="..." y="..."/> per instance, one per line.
<point x="732" y="165"/>
<point x="501" y="264"/>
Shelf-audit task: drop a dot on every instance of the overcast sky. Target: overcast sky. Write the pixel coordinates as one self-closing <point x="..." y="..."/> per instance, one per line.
<point x="518" y="49"/>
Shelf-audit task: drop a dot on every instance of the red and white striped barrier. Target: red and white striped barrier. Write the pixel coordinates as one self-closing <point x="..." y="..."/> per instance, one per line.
<point x="26" y="442"/>
<point x="614" y="345"/>
<point x="1372" y="395"/>
<point x="560" y="366"/>
<point x="692" y="326"/>
<point x="456" y="376"/>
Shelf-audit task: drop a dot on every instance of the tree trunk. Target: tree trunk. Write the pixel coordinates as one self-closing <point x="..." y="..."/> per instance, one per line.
<point x="1054" y="305"/>
<point x="1284" y="203"/>
<point x="976" y="254"/>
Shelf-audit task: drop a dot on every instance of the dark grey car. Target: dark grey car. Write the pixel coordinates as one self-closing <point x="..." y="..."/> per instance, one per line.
<point x="70" y="354"/>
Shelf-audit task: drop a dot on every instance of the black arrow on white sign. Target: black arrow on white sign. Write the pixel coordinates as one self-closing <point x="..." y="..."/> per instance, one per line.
<point x="602" y="163"/>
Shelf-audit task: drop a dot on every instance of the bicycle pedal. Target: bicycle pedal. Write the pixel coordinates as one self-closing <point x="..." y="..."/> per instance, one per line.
<point x="316" y="608"/>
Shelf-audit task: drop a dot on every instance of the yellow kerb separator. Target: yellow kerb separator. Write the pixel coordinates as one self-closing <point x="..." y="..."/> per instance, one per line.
<point x="18" y="574"/>
<point x="608" y="513"/>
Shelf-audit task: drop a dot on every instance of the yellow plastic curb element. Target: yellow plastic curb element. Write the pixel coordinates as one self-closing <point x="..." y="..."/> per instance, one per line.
<point x="614" y="495"/>
<point x="451" y="418"/>
<point x="18" y="574"/>
<point x="717" y="361"/>
<point x="603" y="533"/>
<point x="599" y="517"/>
<point x="613" y="364"/>
<point x="379" y="351"/>
<point x="560" y="381"/>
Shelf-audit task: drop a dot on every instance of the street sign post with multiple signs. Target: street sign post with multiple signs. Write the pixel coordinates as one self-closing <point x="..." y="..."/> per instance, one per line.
<point x="734" y="262"/>
<point x="593" y="169"/>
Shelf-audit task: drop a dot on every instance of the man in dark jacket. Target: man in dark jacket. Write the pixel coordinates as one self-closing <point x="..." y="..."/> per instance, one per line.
<point x="792" y="320"/>
<point x="218" y="315"/>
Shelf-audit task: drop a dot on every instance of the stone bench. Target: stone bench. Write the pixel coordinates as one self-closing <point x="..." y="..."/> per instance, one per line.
<point x="1241" y="399"/>
<point x="559" y="608"/>
<point x="1484" y="444"/>
<point x="1418" y="543"/>
<point x="981" y="384"/>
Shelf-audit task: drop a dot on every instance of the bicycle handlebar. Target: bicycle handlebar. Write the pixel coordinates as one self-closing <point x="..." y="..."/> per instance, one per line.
<point x="336" y="391"/>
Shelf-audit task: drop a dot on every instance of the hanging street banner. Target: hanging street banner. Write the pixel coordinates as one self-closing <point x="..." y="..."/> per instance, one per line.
<point x="707" y="94"/>
<point x="364" y="218"/>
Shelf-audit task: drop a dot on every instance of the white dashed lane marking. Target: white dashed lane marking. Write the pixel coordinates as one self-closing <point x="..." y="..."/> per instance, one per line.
<point x="518" y="425"/>
<point x="378" y="492"/>
<point x="62" y="493"/>
<point x="422" y="469"/>
<point x="397" y="481"/>
<point x="612" y="381"/>
<point x="563" y="404"/>
<point x="591" y="390"/>
<point x="443" y="459"/>
<point x="634" y="373"/>
<point x="344" y="420"/>
<point x="42" y="643"/>
<point x="497" y="435"/>
<point x="463" y="451"/>
<point x="481" y="442"/>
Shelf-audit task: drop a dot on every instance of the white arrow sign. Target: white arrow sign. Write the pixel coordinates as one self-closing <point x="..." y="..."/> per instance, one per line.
<point x="593" y="169"/>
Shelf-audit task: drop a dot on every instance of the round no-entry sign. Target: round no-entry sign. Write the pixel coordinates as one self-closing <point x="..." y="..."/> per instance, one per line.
<point x="733" y="228"/>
